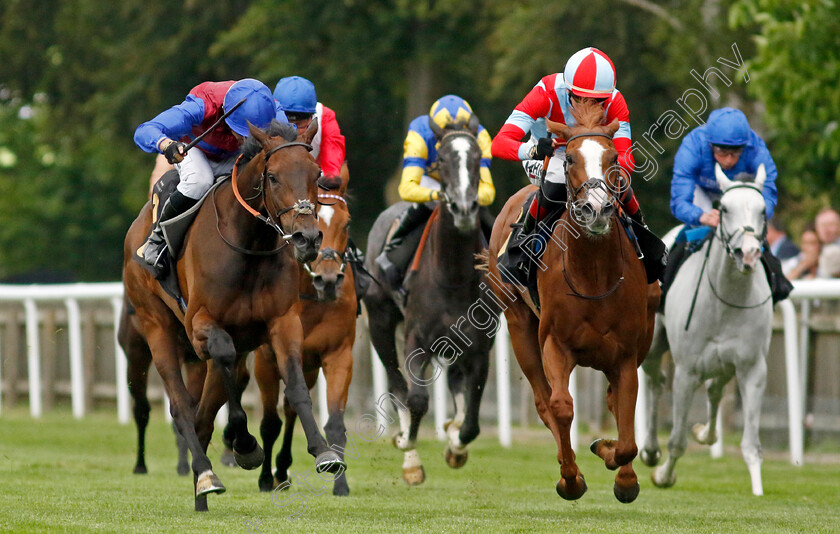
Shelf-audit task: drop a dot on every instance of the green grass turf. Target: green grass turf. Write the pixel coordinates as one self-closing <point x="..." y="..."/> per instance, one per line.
<point x="58" y="474"/>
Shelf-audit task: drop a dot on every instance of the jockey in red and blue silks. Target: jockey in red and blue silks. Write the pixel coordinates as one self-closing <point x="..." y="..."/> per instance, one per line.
<point x="588" y="74"/>
<point x="297" y="101"/>
<point x="726" y="139"/>
<point x="170" y="131"/>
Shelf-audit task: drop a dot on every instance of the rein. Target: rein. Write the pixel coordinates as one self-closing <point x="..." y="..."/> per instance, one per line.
<point x="613" y="289"/>
<point x="301" y="207"/>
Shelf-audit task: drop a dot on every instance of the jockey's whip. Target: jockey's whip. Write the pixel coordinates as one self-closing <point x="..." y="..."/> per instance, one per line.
<point x="211" y="128"/>
<point x="540" y="194"/>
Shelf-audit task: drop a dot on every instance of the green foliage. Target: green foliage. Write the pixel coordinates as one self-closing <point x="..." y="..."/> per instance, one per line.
<point x="795" y="72"/>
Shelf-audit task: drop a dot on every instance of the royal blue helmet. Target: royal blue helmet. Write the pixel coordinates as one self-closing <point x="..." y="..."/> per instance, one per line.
<point x="728" y="126"/>
<point x="450" y="110"/>
<point x="296" y="95"/>
<point x="258" y="108"/>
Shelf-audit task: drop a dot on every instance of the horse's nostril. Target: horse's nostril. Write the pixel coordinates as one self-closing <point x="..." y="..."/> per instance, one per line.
<point x="299" y="240"/>
<point x="318" y="282"/>
<point x="339" y="279"/>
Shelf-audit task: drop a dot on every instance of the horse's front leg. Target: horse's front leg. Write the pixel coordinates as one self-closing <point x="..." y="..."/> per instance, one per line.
<point x="417" y="361"/>
<point x="752" y="382"/>
<point x="286" y="335"/>
<point x="467" y="403"/>
<point x="268" y="381"/>
<point x="621" y="400"/>
<point x="338" y="371"/>
<point x="216" y="345"/>
<point x="558" y="366"/>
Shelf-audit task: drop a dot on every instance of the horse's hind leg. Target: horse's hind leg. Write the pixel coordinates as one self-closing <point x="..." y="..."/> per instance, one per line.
<point x="706" y="433"/>
<point x="621" y="400"/>
<point x="652" y="367"/>
<point x="685" y="382"/>
<point x="196" y="371"/>
<point x="139" y="359"/>
<point x="268" y="380"/>
<point x="751" y="383"/>
<point x="228" y="435"/>
<point x="338" y="371"/>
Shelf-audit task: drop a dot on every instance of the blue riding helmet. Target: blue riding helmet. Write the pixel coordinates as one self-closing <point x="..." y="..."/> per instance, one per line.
<point x="728" y="126"/>
<point x="449" y="110"/>
<point x="258" y="108"/>
<point x="296" y="95"/>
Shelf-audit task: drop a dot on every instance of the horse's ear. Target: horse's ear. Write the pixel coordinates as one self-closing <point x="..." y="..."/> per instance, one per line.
<point x="436" y="129"/>
<point x="257" y="134"/>
<point x="760" y="176"/>
<point x="723" y="182"/>
<point x="472" y="126"/>
<point x="612" y="127"/>
<point x="309" y="134"/>
<point x="558" y="128"/>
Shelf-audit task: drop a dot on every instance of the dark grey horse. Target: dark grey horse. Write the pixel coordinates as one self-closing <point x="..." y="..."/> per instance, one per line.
<point x="447" y="312"/>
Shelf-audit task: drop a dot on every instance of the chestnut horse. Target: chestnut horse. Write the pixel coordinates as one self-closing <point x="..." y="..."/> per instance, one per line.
<point x="595" y="309"/>
<point x="328" y="314"/>
<point x="444" y="294"/>
<point x="240" y="282"/>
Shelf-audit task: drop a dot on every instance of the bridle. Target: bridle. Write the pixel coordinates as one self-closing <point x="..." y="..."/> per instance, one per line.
<point x="444" y="197"/>
<point x="726" y="237"/>
<point x="301" y="207"/>
<point x="328" y="254"/>
<point x="575" y="205"/>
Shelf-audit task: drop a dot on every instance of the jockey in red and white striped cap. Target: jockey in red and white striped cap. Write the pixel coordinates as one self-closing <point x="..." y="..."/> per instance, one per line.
<point x="589" y="74"/>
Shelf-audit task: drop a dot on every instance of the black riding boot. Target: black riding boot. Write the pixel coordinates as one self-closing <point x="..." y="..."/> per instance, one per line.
<point x="676" y="257"/>
<point x="780" y="286"/>
<point x="414" y="216"/>
<point x="155" y="257"/>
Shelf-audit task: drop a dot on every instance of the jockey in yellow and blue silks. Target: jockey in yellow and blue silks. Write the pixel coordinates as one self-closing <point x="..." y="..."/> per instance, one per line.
<point x="419" y="181"/>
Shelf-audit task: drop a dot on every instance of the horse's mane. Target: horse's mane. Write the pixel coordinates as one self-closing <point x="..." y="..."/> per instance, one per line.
<point x="251" y="147"/>
<point x="589" y="114"/>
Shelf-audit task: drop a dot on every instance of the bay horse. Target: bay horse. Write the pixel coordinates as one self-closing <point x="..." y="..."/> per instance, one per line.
<point x="723" y="331"/>
<point x="240" y="282"/>
<point x="596" y="307"/>
<point x="328" y="315"/>
<point x="441" y="313"/>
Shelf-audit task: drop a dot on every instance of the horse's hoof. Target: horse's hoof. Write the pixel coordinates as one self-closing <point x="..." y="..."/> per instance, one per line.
<point x="228" y="458"/>
<point x="329" y="462"/>
<point x="282" y="484"/>
<point x="454" y="459"/>
<point x="414" y="476"/>
<point x="702" y="433"/>
<point x="572" y="491"/>
<point x="650" y="457"/>
<point x="208" y="482"/>
<point x="340" y="488"/>
<point x="659" y="482"/>
<point x="626" y="495"/>
<point x="250" y="460"/>
<point x="140" y="469"/>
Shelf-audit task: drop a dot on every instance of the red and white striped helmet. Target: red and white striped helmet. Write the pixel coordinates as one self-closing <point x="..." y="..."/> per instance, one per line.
<point x="590" y="73"/>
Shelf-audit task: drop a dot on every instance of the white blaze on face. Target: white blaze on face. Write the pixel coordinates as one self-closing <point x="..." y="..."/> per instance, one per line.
<point x="326" y="213"/>
<point x="592" y="153"/>
<point x="462" y="147"/>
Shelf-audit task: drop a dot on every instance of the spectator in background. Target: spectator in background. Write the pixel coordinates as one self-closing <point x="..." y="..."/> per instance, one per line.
<point x="827" y="225"/>
<point x="780" y="244"/>
<point x="829" y="262"/>
<point x="806" y="264"/>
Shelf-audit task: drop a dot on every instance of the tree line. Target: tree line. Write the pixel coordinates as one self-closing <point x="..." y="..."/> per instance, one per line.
<point x="78" y="77"/>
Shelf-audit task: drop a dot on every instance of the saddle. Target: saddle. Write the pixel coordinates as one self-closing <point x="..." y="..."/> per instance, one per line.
<point x="175" y="229"/>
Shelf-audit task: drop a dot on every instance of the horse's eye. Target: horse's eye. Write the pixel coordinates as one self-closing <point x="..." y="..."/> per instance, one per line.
<point x="272" y="177"/>
<point x="569" y="160"/>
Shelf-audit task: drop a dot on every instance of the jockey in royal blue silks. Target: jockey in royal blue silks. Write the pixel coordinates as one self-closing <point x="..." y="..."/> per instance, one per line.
<point x="171" y="131"/>
<point x="726" y="139"/>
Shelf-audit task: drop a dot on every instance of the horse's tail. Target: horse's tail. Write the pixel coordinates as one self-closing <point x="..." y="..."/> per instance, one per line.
<point x="482" y="260"/>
